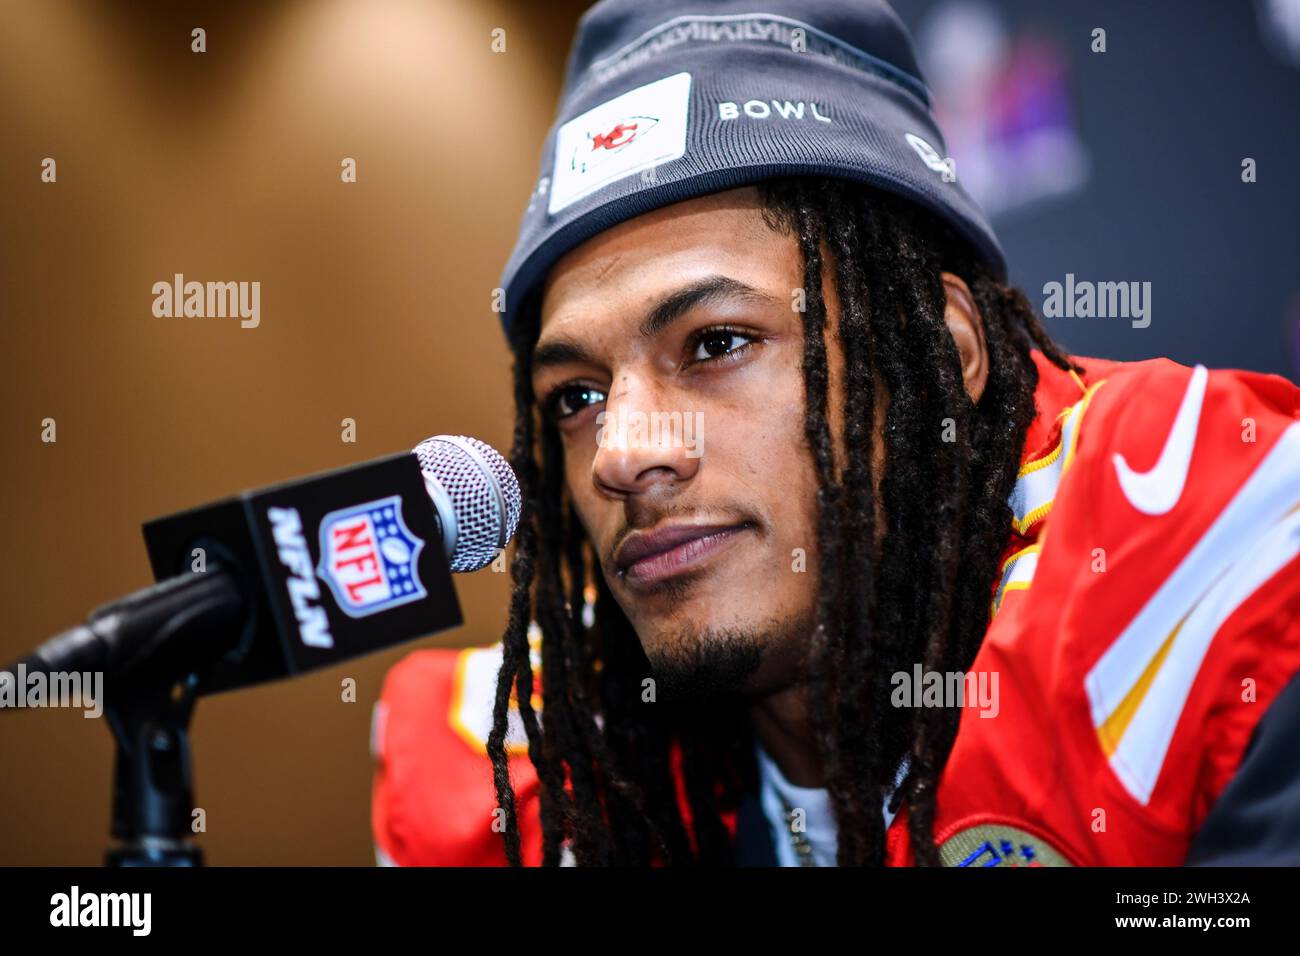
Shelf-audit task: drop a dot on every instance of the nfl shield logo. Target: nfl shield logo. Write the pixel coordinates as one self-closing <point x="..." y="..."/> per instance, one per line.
<point x="369" y="558"/>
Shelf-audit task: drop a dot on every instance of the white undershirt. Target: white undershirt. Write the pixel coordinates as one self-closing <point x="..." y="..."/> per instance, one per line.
<point x="819" y="819"/>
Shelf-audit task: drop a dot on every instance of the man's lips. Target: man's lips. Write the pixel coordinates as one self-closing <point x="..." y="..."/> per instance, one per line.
<point x="645" y="557"/>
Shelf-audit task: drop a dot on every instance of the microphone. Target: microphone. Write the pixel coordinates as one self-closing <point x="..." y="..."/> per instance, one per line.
<point x="476" y="497"/>
<point x="302" y="575"/>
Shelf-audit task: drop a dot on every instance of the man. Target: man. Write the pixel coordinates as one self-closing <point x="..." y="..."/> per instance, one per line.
<point x="830" y="554"/>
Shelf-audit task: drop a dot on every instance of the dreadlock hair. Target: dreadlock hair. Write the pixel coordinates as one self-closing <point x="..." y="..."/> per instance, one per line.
<point x="915" y="591"/>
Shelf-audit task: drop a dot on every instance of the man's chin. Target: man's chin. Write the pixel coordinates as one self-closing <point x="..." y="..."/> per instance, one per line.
<point x="706" y="666"/>
<point x="706" y="663"/>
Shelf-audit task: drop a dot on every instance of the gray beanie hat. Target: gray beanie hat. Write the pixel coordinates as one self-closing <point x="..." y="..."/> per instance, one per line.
<point x="667" y="100"/>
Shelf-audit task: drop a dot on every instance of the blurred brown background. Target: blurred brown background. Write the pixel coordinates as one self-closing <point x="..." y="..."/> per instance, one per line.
<point x="376" y="306"/>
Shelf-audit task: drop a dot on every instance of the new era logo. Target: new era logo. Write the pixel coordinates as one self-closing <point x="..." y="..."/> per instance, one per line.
<point x="930" y="156"/>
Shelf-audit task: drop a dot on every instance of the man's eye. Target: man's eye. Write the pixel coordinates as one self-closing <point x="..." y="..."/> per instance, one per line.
<point x="572" y="399"/>
<point x="713" y="344"/>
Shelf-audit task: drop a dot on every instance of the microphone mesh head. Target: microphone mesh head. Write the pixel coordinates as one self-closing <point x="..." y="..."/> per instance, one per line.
<point x="483" y="491"/>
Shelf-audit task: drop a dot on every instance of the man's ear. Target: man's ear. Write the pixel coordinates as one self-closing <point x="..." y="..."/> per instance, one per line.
<point x="966" y="325"/>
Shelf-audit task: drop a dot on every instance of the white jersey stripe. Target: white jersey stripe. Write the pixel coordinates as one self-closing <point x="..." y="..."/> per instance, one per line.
<point x="1141" y="752"/>
<point x="1258" y="507"/>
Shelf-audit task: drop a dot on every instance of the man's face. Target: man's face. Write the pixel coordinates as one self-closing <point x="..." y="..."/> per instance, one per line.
<point x="696" y="485"/>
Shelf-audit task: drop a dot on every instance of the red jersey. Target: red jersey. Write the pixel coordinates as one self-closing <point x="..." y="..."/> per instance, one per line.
<point x="1147" y="614"/>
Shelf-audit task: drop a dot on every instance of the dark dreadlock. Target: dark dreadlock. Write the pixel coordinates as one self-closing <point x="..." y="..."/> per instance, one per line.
<point x="917" y="590"/>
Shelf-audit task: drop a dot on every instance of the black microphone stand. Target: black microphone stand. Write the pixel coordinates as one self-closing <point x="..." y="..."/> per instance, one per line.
<point x="155" y="648"/>
<point x="153" y="789"/>
<point x="189" y="624"/>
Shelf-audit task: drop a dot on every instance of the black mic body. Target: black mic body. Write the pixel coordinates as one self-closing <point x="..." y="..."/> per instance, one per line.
<point x="279" y="581"/>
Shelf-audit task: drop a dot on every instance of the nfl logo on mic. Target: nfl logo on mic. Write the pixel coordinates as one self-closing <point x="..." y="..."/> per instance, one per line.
<point x="369" y="558"/>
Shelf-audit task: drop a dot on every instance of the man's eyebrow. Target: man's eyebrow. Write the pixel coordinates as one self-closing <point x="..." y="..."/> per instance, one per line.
<point x="710" y="290"/>
<point x="561" y="352"/>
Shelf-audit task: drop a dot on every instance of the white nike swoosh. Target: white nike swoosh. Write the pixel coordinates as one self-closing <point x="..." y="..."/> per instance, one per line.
<point x="1155" y="492"/>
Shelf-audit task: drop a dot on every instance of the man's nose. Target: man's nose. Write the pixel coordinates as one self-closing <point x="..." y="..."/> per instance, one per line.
<point x="642" y="442"/>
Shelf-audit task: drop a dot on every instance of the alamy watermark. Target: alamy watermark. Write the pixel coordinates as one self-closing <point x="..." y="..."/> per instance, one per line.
<point x="1102" y="300"/>
<point x="133" y="911"/>
<point x="921" y="688"/>
<point x="76" y="690"/>
<point x="636" y="429"/>
<point x="209" y="300"/>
